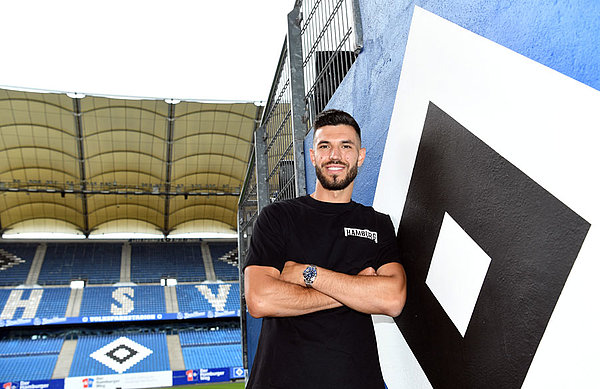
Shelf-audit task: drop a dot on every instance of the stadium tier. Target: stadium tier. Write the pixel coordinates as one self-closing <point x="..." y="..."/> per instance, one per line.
<point x="224" y="258"/>
<point x="28" y="359"/>
<point x="213" y="299"/>
<point x="33" y="303"/>
<point x="15" y="262"/>
<point x="151" y="261"/>
<point x="38" y="367"/>
<point x="98" y="263"/>
<point x="116" y="354"/>
<point x="211" y="357"/>
<point x="208" y="297"/>
<point x="208" y="349"/>
<point x="123" y="300"/>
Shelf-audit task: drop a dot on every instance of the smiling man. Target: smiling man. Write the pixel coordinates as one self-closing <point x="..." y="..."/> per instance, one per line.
<point x="317" y="268"/>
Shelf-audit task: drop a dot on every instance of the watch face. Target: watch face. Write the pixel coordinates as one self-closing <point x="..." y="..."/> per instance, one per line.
<point x="310" y="273"/>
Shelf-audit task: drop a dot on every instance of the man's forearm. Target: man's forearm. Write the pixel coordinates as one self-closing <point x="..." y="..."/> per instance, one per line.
<point x="267" y="295"/>
<point x="383" y="292"/>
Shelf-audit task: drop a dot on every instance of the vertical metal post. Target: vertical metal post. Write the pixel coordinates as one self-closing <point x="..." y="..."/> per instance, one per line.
<point x="358" y="30"/>
<point x="81" y="158"/>
<point x="260" y="153"/>
<point x="299" y="127"/>
<point x="168" y="163"/>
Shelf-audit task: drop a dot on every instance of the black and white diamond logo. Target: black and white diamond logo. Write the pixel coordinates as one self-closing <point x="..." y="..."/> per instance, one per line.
<point x="473" y="329"/>
<point x="121" y="354"/>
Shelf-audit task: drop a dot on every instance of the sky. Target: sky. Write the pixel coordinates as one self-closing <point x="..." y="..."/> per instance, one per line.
<point x="217" y="50"/>
<point x="222" y="50"/>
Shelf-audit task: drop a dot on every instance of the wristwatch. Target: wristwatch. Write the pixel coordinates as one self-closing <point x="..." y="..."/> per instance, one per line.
<point x="310" y="275"/>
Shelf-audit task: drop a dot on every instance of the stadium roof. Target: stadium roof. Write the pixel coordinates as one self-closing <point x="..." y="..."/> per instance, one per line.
<point x="97" y="165"/>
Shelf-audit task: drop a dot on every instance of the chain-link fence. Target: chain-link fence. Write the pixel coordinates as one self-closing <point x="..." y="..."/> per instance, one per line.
<point x="324" y="38"/>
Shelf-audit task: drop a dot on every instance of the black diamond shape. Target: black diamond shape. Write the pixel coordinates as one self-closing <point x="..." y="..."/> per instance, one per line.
<point x="131" y="353"/>
<point x="531" y="237"/>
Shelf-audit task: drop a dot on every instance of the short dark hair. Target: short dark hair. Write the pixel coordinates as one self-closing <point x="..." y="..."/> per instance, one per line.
<point x="334" y="117"/>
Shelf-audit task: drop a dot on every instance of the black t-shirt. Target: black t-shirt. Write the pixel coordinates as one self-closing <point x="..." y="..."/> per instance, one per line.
<point x="334" y="348"/>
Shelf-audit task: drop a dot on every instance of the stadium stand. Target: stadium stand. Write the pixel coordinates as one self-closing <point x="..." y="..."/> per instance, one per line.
<point x="211" y="357"/>
<point x="151" y="261"/>
<point x="208" y="349"/>
<point x="28" y="359"/>
<point x="208" y="297"/>
<point x="124" y="300"/>
<point x="114" y="354"/>
<point x="22" y="303"/>
<point x="15" y="262"/>
<point x="224" y="258"/>
<point x="98" y="263"/>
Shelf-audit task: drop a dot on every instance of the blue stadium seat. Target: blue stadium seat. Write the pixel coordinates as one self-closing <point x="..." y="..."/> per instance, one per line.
<point x="38" y="367"/>
<point x="24" y="347"/>
<point x="15" y="267"/>
<point x="151" y="261"/>
<point x="28" y="359"/>
<point x="211" y="357"/>
<point x="125" y="300"/>
<point x="99" y="263"/>
<point x="208" y="349"/>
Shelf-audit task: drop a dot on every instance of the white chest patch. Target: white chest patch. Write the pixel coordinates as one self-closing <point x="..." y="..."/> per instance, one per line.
<point x="360" y="233"/>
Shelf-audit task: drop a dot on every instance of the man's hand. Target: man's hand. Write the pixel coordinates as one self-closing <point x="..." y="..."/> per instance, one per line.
<point x="293" y="273"/>
<point x="368" y="271"/>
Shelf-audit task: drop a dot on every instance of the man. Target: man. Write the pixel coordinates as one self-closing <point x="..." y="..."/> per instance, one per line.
<point x="317" y="267"/>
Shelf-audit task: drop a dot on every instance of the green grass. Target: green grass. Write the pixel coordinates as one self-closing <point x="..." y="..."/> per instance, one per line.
<point x="224" y="385"/>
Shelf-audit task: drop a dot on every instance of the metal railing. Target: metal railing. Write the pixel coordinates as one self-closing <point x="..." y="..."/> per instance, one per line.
<point x="331" y="40"/>
<point x="324" y="38"/>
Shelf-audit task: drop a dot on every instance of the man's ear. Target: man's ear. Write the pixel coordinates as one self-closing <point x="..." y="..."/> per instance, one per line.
<point x="312" y="156"/>
<point x="362" y="153"/>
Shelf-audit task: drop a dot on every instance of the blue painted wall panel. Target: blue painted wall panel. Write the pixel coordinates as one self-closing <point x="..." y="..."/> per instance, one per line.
<point x="562" y="35"/>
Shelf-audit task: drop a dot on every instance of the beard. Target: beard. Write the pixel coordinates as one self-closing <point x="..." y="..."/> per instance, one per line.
<point x="336" y="182"/>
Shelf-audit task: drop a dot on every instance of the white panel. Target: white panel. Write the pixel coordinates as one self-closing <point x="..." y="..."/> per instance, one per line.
<point x="398" y="363"/>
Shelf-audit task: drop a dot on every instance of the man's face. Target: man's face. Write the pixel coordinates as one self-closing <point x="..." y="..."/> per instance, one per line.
<point x="336" y="155"/>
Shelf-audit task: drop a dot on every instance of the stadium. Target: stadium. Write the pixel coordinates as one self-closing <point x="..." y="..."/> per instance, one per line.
<point x="161" y="307"/>
<point x="125" y="221"/>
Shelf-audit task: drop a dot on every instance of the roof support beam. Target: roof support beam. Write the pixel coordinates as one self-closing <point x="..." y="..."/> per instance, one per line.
<point x="169" y="163"/>
<point x="81" y="159"/>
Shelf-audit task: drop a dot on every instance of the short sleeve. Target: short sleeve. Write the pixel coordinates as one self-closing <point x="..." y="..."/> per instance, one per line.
<point x="388" y="244"/>
<point x="267" y="244"/>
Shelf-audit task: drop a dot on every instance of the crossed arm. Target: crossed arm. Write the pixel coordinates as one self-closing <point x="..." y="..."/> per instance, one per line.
<point x="271" y="293"/>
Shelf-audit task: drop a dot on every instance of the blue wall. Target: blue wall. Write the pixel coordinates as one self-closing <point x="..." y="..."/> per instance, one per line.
<point x="563" y="35"/>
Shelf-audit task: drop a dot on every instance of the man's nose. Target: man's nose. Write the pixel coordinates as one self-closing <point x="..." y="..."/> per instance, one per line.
<point x="335" y="153"/>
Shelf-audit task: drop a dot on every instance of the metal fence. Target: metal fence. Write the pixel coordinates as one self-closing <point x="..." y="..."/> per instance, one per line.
<point x="324" y="38"/>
